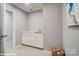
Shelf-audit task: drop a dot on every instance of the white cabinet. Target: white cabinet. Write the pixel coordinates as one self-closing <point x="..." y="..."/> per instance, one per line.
<point x="25" y="38"/>
<point x="32" y="39"/>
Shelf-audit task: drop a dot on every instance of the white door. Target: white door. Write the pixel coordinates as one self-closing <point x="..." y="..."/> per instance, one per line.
<point x="7" y="30"/>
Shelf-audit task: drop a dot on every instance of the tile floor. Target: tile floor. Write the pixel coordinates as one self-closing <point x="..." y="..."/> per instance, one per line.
<point x="22" y="50"/>
<point x="29" y="51"/>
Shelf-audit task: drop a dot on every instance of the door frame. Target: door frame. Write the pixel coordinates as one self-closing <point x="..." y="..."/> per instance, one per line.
<point x="10" y="10"/>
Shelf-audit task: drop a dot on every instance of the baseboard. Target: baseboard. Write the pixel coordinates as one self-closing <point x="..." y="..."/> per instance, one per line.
<point x="32" y="46"/>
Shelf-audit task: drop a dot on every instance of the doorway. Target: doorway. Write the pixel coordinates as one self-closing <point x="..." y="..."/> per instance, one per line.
<point x="9" y="31"/>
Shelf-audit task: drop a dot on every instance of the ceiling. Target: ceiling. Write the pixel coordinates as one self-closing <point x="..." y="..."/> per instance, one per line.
<point x="30" y="7"/>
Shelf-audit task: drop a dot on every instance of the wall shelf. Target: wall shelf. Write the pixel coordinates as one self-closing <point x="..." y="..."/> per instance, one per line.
<point x="76" y="25"/>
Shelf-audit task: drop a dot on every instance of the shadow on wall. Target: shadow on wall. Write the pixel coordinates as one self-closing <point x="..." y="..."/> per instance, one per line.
<point x="74" y="28"/>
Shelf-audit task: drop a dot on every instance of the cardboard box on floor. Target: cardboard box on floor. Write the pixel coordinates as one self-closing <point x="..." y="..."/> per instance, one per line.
<point x="58" y="52"/>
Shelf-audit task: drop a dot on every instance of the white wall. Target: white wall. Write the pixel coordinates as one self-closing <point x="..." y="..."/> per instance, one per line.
<point x="35" y="21"/>
<point x="20" y="22"/>
<point x="70" y="36"/>
<point x="52" y="14"/>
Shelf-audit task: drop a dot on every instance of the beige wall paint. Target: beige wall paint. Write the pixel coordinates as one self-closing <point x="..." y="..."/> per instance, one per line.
<point x="20" y="22"/>
<point x="52" y="14"/>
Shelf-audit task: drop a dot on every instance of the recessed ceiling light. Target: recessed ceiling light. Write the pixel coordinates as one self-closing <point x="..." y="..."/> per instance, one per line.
<point x="27" y="3"/>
